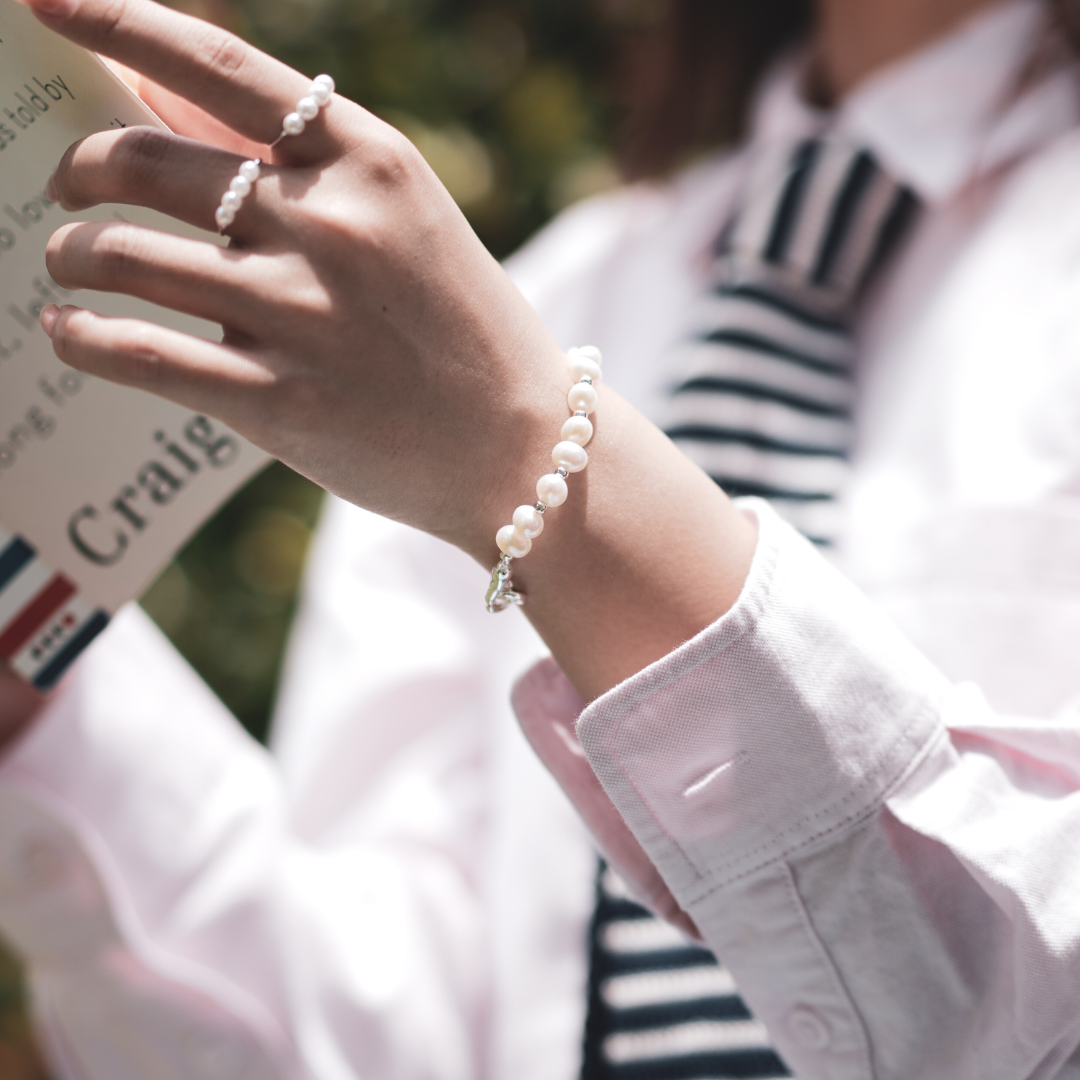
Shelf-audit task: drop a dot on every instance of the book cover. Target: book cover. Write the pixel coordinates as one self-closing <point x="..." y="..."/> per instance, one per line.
<point x="99" y="484"/>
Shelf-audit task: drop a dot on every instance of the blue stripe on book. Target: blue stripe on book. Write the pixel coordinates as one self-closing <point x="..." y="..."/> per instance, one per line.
<point x="13" y="558"/>
<point x="49" y="675"/>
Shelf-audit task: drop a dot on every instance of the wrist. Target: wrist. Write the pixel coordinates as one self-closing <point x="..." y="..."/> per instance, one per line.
<point x="645" y="552"/>
<point x="519" y="441"/>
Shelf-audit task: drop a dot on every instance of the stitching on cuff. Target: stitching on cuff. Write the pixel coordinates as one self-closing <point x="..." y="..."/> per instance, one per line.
<point x="936" y="737"/>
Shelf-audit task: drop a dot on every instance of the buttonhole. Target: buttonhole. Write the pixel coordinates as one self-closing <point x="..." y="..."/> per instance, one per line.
<point x="700" y="785"/>
<point x="569" y="741"/>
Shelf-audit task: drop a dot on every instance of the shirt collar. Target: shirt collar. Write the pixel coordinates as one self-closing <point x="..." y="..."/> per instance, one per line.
<point x="940" y="117"/>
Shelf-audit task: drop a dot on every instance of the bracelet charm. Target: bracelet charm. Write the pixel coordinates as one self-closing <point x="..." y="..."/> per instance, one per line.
<point x="569" y="456"/>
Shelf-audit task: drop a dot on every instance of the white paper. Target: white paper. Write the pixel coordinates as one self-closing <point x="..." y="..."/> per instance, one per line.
<point x="99" y="484"/>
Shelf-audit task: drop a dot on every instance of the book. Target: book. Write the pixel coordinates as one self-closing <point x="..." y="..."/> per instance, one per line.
<point x="99" y="484"/>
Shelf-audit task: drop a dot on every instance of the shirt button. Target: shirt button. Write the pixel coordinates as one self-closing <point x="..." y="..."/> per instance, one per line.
<point x="807" y="1028"/>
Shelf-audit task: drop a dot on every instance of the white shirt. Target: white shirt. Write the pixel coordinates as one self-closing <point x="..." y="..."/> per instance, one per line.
<point x="399" y="890"/>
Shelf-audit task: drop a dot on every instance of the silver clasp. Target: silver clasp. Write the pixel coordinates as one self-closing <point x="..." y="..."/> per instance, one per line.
<point x="501" y="594"/>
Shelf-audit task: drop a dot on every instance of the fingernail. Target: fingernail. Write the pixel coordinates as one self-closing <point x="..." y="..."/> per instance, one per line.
<point x="52" y="192"/>
<point x="49" y="314"/>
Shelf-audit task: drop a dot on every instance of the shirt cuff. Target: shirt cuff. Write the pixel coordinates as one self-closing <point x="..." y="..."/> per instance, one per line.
<point x="785" y="722"/>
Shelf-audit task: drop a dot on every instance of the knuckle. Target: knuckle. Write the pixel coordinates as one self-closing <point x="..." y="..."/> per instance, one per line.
<point x="142" y="151"/>
<point x="299" y="298"/>
<point x="117" y="252"/>
<point x="296" y="393"/>
<point x="393" y="161"/>
<point x="111" y="17"/>
<point x="220" y="53"/>
<point x="142" y="359"/>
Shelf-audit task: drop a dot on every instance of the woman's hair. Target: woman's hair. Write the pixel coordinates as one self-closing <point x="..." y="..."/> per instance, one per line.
<point x="686" y="69"/>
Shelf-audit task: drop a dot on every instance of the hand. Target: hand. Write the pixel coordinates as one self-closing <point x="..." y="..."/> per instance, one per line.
<point x="368" y="335"/>
<point x="372" y="343"/>
<point x="19" y="705"/>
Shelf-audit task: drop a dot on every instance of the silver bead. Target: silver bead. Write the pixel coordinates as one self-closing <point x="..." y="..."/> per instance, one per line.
<point x="581" y="412"/>
<point x="586" y="379"/>
<point x="539" y="507"/>
<point x="562" y="472"/>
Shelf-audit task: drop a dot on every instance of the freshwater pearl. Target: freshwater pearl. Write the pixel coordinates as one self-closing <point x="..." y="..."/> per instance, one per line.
<point x="582" y="398"/>
<point x="582" y="366"/>
<point x="293" y="124"/>
<point x="325" y="80"/>
<point x="241" y="185"/>
<point x="512" y="543"/>
<point x="320" y="93"/>
<point x="231" y="201"/>
<point x="250" y="171"/>
<point x="224" y="217"/>
<point x="307" y="108"/>
<point x="569" y="456"/>
<point x="591" y="351"/>
<point x="528" y="522"/>
<point x="551" y="490"/>
<point x="577" y="429"/>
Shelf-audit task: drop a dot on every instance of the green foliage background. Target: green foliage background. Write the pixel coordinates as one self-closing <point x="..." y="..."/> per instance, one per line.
<point x="505" y="99"/>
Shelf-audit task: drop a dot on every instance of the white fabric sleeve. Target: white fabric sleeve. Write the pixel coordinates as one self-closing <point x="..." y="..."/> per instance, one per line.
<point x="179" y="921"/>
<point x="890" y="870"/>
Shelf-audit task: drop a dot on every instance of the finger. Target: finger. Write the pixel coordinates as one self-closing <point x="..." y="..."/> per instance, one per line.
<point x="187" y="119"/>
<point x="197" y="374"/>
<point x="215" y="70"/>
<point x="149" y="167"/>
<point x="197" y="278"/>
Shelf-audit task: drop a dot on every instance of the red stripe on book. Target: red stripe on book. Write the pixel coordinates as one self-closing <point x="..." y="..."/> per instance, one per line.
<point x="34" y="614"/>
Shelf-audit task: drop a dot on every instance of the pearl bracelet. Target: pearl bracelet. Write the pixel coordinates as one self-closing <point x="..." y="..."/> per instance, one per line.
<point x="307" y="108"/>
<point x="569" y="456"/>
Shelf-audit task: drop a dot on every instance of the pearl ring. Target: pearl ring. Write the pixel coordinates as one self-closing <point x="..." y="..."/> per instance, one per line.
<point x="307" y="108"/>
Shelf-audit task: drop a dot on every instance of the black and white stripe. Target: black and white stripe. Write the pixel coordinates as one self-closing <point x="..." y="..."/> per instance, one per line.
<point x="660" y="1007"/>
<point x="764" y="404"/>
